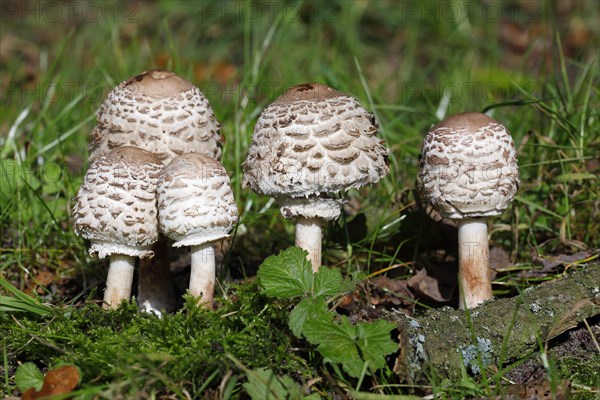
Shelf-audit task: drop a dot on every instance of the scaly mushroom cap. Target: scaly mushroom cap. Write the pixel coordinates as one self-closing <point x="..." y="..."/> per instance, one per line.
<point x="311" y="141"/>
<point x="159" y="112"/>
<point x="195" y="201"/>
<point x="468" y="167"/>
<point x="115" y="207"/>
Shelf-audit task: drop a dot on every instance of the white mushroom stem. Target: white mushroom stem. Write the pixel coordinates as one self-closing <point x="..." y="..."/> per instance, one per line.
<point x="202" y="278"/>
<point x="473" y="262"/>
<point x="308" y="237"/>
<point x="119" y="280"/>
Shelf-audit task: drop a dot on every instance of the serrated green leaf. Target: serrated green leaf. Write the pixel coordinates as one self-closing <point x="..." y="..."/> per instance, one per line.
<point x="351" y="345"/>
<point x="286" y="275"/>
<point x="307" y="309"/>
<point x="327" y="282"/>
<point x="263" y="384"/>
<point x="375" y="342"/>
<point x="28" y="375"/>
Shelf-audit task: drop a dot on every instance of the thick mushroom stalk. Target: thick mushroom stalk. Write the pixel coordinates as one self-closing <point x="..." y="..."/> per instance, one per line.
<point x="309" y="214"/>
<point x="196" y="209"/>
<point x="468" y="171"/>
<point x="116" y="210"/>
<point x="119" y="280"/>
<point x="309" y="237"/>
<point x="203" y="272"/>
<point x="309" y="144"/>
<point x="473" y="265"/>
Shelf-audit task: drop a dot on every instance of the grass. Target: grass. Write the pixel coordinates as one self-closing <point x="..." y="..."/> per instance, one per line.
<point x="410" y="63"/>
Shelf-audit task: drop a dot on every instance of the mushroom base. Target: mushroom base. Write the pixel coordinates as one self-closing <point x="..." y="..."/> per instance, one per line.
<point x="119" y="280"/>
<point x="473" y="265"/>
<point x="203" y="273"/>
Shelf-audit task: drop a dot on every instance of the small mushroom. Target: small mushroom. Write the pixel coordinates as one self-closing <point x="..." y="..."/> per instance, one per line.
<point x="165" y="114"/>
<point x="468" y="171"/>
<point x="197" y="208"/>
<point x="116" y="210"/>
<point x="309" y="144"/>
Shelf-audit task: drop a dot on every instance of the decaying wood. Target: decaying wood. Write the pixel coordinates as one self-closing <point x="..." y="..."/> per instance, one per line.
<point x="498" y="331"/>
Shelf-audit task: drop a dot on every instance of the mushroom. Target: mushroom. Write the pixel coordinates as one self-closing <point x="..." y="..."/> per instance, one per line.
<point x="197" y="208"/>
<point x="309" y="144"/>
<point x="160" y="112"/>
<point x="468" y="171"/>
<point x="168" y="116"/>
<point x="116" y="210"/>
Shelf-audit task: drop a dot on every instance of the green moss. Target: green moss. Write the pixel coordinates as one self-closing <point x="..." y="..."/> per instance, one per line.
<point x="582" y="373"/>
<point x="138" y="352"/>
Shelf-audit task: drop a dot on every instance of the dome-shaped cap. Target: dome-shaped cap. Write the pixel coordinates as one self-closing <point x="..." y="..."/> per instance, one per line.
<point x="159" y="112"/>
<point x="314" y="140"/>
<point x="115" y="207"/>
<point x="195" y="201"/>
<point x="468" y="167"/>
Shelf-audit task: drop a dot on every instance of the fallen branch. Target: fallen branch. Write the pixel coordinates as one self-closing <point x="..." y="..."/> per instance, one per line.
<point x="497" y="332"/>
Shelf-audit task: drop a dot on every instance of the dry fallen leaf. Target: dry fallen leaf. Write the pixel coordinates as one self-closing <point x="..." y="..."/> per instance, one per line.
<point x="540" y="390"/>
<point x="61" y="380"/>
<point x="434" y="288"/>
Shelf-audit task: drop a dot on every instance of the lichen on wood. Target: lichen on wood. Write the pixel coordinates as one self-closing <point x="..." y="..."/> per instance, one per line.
<point x="498" y="331"/>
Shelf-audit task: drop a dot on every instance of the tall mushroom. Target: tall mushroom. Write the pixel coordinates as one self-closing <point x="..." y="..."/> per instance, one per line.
<point x="168" y="116"/>
<point x="468" y="171"/>
<point x="309" y="144"/>
<point x="116" y="210"/>
<point x="197" y="208"/>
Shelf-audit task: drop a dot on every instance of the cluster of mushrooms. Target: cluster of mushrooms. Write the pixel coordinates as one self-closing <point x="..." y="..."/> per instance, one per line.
<point x="155" y="174"/>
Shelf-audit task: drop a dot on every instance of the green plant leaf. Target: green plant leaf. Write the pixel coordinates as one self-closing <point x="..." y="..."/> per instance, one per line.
<point x="20" y="302"/>
<point x="375" y="342"/>
<point x="286" y="275"/>
<point x="351" y="345"/>
<point x="327" y="282"/>
<point x="28" y="375"/>
<point x="307" y="309"/>
<point x="263" y="384"/>
<point x="289" y="274"/>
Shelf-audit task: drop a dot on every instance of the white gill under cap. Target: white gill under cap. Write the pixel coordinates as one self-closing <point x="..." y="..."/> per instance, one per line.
<point x="311" y="141"/>
<point x="159" y="112"/>
<point x="468" y="167"/>
<point x="115" y="207"/>
<point x="195" y="201"/>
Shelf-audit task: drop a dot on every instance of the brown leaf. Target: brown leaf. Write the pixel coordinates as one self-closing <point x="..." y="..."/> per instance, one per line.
<point x="540" y="390"/>
<point x="429" y="287"/>
<point x="549" y="263"/>
<point x="61" y="380"/>
<point x="499" y="260"/>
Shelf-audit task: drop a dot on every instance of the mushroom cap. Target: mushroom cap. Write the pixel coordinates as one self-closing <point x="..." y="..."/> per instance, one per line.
<point x="468" y="167"/>
<point x="195" y="201"/>
<point x="115" y="207"/>
<point x="314" y="140"/>
<point x="159" y="112"/>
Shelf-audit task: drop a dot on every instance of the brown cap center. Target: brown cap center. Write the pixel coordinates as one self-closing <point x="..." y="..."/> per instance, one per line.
<point x="308" y="91"/>
<point x="158" y="83"/>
